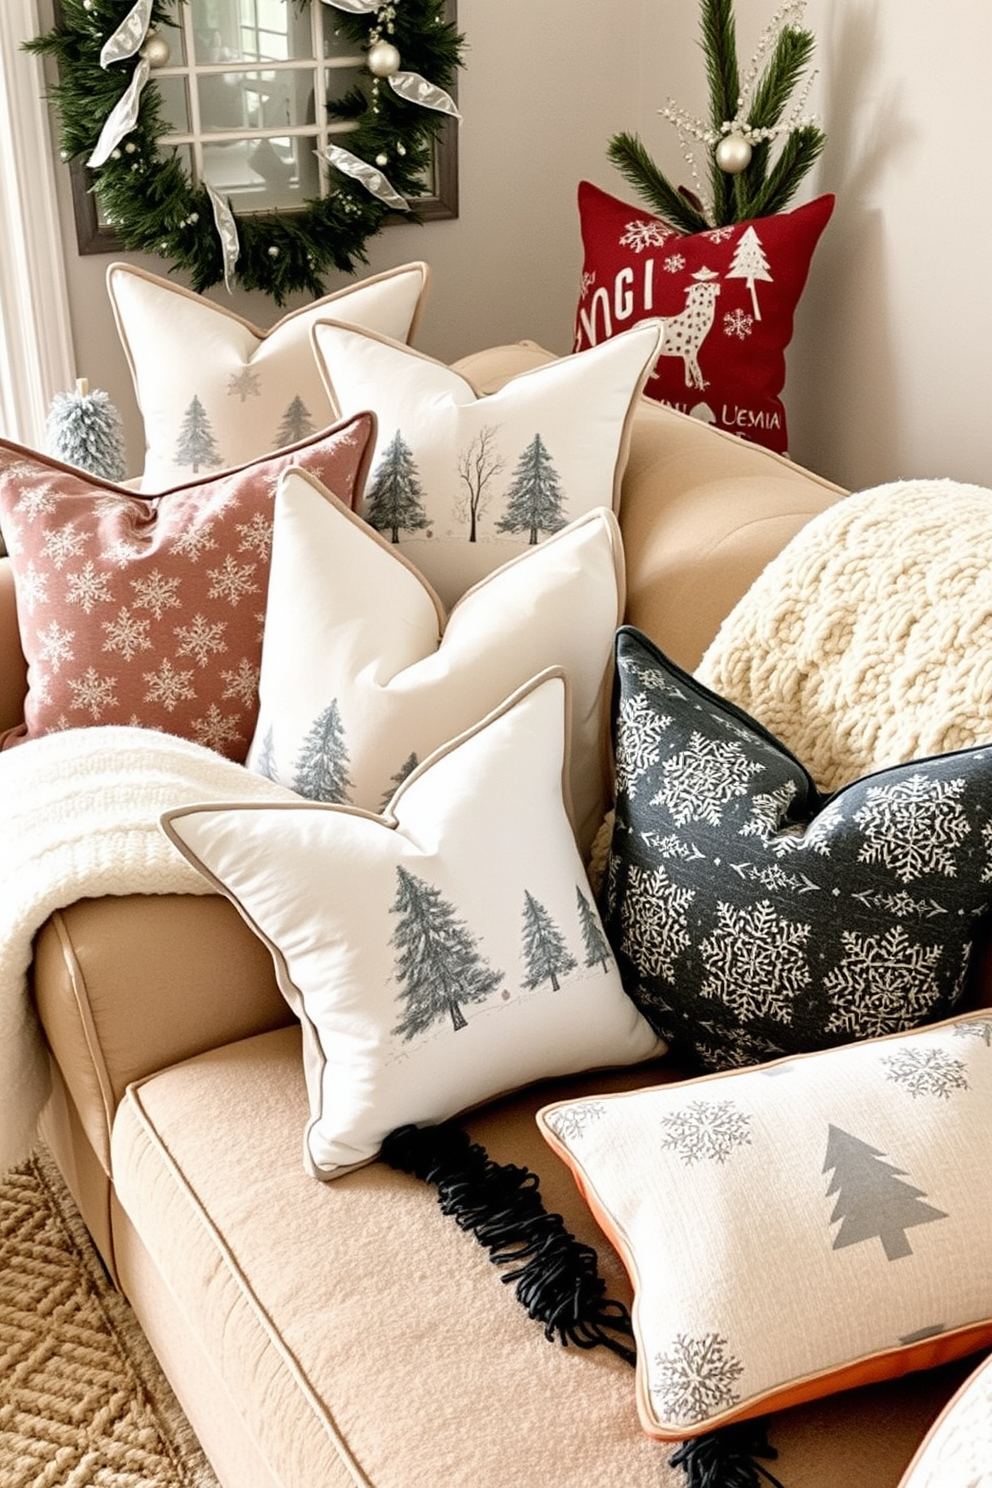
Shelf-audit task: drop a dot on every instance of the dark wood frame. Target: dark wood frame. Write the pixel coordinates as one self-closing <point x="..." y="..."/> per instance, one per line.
<point x="92" y="236"/>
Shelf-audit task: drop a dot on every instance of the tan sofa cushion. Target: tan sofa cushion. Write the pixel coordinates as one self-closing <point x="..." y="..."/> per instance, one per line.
<point x="368" y="1340"/>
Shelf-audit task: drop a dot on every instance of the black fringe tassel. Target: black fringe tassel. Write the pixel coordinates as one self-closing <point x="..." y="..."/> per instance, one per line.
<point x="725" y="1458"/>
<point x="557" y="1277"/>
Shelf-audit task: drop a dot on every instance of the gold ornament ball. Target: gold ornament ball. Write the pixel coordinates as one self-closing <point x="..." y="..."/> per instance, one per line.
<point x="733" y="154"/>
<point x="156" y="51"/>
<point x="383" y="59"/>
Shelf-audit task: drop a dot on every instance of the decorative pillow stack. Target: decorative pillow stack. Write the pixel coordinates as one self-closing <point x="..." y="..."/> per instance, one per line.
<point x="728" y="297"/>
<point x="752" y="917"/>
<point x="149" y="610"/>
<point x="363" y="673"/>
<point x="214" y="390"/>
<point x="439" y="955"/>
<point x="461" y="482"/>
<point x="798" y="1229"/>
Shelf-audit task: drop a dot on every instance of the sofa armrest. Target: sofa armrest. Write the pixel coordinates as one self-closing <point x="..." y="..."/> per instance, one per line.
<point x="127" y="986"/>
<point x="13" y="667"/>
<point x="702" y="511"/>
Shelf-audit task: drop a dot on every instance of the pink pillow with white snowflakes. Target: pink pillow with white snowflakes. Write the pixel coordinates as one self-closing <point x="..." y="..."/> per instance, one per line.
<point x="148" y="610"/>
<point x="728" y="297"/>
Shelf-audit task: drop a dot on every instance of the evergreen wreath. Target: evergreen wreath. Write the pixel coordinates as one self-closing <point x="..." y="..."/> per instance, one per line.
<point x="154" y="205"/>
<point x="746" y="118"/>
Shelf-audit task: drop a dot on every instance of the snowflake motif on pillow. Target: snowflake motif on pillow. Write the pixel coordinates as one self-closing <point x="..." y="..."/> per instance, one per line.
<point x="148" y="610"/>
<point x="752" y="917"/>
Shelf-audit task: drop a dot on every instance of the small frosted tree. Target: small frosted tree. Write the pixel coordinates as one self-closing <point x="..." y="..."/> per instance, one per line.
<point x="394" y="502"/>
<point x="535" y="501"/>
<point x="322" y="765"/>
<point x="545" y="951"/>
<point x="196" y="445"/>
<point x="84" y="429"/>
<point x="296" y="424"/>
<point x="595" y="942"/>
<point x="438" y="964"/>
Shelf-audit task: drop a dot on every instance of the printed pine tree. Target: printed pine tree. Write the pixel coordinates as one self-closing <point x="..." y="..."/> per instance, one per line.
<point x="296" y="424"/>
<point x="265" y="760"/>
<point x="545" y="951"/>
<point x="749" y="263"/>
<point x="322" y="765"/>
<point x="196" y="445"/>
<point x="438" y="965"/>
<point x="872" y="1200"/>
<point x="595" y="942"/>
<point x="535" y="500"/>
<point x="395" y="781"/>
<point x="394" y="501"/>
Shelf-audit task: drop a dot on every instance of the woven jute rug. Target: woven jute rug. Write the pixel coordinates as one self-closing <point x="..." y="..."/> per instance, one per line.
<point x="83" y="1401"/>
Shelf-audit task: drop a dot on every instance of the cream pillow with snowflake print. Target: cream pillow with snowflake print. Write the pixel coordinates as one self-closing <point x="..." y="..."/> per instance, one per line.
<point x="215" y="390"/>
<point x="753" y="917"/>
<point x="838" y="1206"/>
<point x="461" y="482"/>
<point x="433" y="964"/>
<point x="149" y="610"/>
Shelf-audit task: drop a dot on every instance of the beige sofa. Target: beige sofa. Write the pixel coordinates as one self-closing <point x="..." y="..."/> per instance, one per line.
<point x="349" y="1334"/>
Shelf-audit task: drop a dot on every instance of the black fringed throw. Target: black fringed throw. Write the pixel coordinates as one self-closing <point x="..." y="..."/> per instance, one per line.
<point x="557" y="1277"/>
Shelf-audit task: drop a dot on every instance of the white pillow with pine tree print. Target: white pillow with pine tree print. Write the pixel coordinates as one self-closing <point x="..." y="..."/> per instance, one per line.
<point x="797" y="1228"/>
<point x="461" y="480"/>
<point x="440" y="954"/>
<point x="214" y="390"/>
<point x="364" y="672"/>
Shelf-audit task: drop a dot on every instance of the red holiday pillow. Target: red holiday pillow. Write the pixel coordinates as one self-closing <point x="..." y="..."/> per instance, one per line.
<point x="148" y="610"/>
<point x="728" y="296"/>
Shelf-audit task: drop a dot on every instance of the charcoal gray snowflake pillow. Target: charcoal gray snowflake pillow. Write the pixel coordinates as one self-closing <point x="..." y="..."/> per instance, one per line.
<point x="751" y="916"/>
<point x="853" y="1173"/>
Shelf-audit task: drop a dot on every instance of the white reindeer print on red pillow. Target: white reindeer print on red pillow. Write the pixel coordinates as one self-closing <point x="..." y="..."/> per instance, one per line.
<point x="727" y="297"/>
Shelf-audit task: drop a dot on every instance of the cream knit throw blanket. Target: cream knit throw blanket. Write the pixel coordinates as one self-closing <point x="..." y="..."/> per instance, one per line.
<point x="80" y="813"/>
<point x="868" y="641"/>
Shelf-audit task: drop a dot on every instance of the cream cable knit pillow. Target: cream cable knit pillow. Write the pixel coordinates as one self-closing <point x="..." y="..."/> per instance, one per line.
<point x="868" y="640"/>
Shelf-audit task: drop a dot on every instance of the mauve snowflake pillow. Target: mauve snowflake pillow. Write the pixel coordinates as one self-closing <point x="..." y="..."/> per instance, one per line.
<point x="752" y="917"/>
<point x="148" y="610"/>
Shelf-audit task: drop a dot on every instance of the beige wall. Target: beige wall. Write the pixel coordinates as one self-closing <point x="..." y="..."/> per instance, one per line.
<point x="889" y="368"/>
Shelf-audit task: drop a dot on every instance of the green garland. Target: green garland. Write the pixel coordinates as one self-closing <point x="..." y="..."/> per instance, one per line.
<point x="154" y="205"/>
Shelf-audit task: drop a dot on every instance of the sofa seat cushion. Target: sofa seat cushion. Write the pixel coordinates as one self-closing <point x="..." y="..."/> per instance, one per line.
<point x="368" y="1340"/>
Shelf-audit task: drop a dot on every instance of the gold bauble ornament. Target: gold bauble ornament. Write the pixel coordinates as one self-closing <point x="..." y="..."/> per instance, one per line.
<point x="733" y="154"/>
<point x="383" y="59"/>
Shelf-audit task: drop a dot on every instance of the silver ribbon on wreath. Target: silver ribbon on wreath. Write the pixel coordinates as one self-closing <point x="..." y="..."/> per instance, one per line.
<point x="126" y="41"/>
<point x="123" y="43"/>
<point x="227" y="231"/>
<point x="409" y="86"/>
<point x="368" y="175"/>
